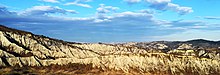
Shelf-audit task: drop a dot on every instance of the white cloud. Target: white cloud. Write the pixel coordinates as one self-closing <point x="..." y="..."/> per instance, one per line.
<point x="127" y="18"/>
<point x="149" y="11"/>
<point x="132" y="1"/>
<point x="212" y="17"/>
<point x="102" y="10"/>
<point x="158" y="1"/>
<point x="83" y="0"/>
<point x="44" y="10"/>
<point x="4" y="12"/>
<point x="179" y="9"/>
<point x="51" y="1"/>
<point x="167" y="5"/>
<point x="106" y="9"/>
<point x="78" y="3"/>
<point x="133" y="14"/>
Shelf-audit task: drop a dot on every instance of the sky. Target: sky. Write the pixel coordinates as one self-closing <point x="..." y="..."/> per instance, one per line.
<point x="115" y="20"/>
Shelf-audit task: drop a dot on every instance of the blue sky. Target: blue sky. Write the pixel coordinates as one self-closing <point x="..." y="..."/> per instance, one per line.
<point x="114" y="20"/>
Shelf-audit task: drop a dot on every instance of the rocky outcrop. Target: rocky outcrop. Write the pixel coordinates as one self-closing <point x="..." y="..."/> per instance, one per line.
<point x="185" y="47"/>
<point x="20" y="48"/>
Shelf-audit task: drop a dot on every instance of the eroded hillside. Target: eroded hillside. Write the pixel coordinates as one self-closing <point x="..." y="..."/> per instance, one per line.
<point x="44" y="55"/>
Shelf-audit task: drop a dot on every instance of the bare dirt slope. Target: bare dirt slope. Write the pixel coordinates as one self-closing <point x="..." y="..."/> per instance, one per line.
<point x="22" y="52"/>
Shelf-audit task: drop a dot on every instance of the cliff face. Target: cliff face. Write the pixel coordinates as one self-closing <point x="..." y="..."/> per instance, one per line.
<point x="20" y="48"/>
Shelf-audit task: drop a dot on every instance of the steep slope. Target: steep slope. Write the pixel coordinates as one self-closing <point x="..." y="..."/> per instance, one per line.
<point x="21" y="48"/>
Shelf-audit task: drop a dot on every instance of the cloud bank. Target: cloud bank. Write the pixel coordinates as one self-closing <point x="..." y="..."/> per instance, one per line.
<point x="45" y="10"/>
<point x="123" y="26"/>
